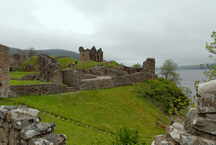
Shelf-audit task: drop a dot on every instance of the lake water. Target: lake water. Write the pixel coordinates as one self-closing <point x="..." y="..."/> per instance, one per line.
<point x="189" y="76"/>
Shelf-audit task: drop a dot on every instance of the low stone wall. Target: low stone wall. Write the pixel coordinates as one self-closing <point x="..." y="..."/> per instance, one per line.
<point x="97" y="83"/>
<point x="41" y="89"/>
<point x="110" y="82"/>
<point x="22" y="126"/>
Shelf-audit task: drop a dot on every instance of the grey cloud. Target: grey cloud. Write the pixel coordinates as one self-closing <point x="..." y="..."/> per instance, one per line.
<point x="128" y="30"/>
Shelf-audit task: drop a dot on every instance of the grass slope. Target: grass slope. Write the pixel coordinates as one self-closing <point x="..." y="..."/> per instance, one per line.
<point x="15" y="76"/>
<point x="19" y="75"/>
<point x="26" y="82"/>
<point x="108" y="109"/>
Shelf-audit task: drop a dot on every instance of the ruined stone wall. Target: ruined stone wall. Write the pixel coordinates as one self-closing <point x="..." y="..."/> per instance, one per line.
<point x="4" y="70"/>
<point x="71" y="78"/>
<point x="110" y="82"/>
<point x="50" y="70"/>
<point x="22" y="126"/>
<point x="22" y="90"/>
<point x="91" y="54"/>
<point x="149" y="67"/>
<point x="17" y="60"/>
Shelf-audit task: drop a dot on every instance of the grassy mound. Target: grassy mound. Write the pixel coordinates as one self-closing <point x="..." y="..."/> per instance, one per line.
<point x="105" y="109"/>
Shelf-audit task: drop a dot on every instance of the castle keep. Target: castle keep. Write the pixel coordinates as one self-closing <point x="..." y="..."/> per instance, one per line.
<point x="4" y="71"/>
<point x="91" y="54"/>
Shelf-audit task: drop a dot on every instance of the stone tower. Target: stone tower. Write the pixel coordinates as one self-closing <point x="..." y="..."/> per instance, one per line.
<point x="91" y="54"/>
<point x="149" y="67"/>
<point x="4" y="71"/>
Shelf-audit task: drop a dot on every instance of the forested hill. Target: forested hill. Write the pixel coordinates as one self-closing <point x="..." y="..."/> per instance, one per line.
<point x="50" y="52"/>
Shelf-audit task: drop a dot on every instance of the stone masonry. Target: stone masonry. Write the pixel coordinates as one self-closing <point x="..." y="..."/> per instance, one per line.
<point x="149" y="67"/>
<point x="4" y="69"/>
<point x="200" y="125"/>
<point x="49" y="69"/>
<point x="91" y="54"/>
<point x="22" y="126"/>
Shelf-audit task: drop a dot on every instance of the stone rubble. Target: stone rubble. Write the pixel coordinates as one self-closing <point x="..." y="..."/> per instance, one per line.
<point x="22" y="126"/>
<point x="199" y="127"/>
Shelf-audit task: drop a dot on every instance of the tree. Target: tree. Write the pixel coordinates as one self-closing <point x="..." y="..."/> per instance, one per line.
<point x="137" y="65"/>
<point x="168" y="71"/>
<point x="211" y="47"/>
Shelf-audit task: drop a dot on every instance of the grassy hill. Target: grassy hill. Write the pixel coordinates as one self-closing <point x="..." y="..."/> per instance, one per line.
<point x="87" y="116"/>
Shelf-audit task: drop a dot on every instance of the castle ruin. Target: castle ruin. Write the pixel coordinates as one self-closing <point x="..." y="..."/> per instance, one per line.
<point x="91" y="54"/>
<point x="4" y="71"/>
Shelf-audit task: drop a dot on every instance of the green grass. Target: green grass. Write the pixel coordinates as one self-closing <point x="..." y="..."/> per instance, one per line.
<point x="66" y="61"/>
<point x="19" y="75"/>
<point x="26" y="82"/>
<point x="90" y="64"/>
<point x="109" y="109"/>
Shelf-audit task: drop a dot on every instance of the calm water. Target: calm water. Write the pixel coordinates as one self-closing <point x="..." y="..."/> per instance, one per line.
<point x="189" y="76"/>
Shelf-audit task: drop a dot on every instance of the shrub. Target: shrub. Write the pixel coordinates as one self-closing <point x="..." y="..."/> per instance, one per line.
<point x="124" y="136"/>
<point x="164" y="94"/>
<point x="137" y="65"/>
<point x="127" y="136"/>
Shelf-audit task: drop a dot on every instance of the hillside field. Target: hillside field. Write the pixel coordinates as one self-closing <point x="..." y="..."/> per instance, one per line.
<point x="105" y="109"/>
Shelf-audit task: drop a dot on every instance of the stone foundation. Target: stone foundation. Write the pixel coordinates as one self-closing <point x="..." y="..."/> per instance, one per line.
<point x="22" y="126"/>
<point x="24" y="90"/>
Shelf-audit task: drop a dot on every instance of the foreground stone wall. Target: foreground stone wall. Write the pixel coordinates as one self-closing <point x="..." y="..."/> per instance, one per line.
<point x="4" y="70"/>
<point x="200" y="125"/>
<point x="22" y="90"/>
<point x="22" y="126"/>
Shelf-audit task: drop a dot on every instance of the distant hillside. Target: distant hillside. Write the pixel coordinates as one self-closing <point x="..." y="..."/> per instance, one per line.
<point x="51" y="52"/>
<point x="60" y="52"/>
<point x="198" y="66"/>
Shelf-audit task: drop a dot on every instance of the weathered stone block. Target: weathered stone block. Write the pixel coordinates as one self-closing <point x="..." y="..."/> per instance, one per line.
<point x="21" y="126"/>
<point x="207" y="104"/>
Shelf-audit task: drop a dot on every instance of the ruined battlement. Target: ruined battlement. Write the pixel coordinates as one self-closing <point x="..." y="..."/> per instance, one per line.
<point x="91" y="54"/>
<point x="4" y="69"/>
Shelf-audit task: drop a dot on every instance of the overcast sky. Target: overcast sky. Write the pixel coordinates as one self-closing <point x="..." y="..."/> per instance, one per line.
<point x="128" y="30"/>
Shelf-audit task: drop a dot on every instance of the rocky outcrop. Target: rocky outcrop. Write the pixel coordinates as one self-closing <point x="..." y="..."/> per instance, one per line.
<point x="22" y="126"/>
<point x="200" y="125"/>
